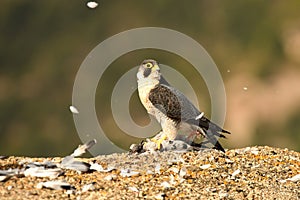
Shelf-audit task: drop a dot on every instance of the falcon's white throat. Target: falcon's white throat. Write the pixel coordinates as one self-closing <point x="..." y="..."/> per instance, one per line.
<point x="146" y="84"/>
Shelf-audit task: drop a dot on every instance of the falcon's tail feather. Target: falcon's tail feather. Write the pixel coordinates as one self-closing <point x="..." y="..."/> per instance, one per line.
<point x="209" y="125"/>
<point x="206" y="124"/>
<point x="216" y="146"/>
<point x="212" y="131"/>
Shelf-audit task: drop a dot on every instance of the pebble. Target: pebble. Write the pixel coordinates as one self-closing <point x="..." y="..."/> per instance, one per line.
<point x="110" y="177"/>
<point x="88" y="187"/>
<point x="236" y="172"/>
<point x="205" y="166"/>
<point x="134" y="189"/>
<point x="128" y="173"/>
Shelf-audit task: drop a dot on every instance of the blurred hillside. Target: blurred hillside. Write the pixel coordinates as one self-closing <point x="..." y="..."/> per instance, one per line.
<point x="43" y="43"/>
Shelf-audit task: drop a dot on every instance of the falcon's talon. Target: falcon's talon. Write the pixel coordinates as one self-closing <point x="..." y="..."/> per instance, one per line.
<point x="159" y="141"/>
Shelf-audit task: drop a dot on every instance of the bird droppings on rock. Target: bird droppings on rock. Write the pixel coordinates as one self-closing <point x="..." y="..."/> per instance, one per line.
<point x="270" y="173"/>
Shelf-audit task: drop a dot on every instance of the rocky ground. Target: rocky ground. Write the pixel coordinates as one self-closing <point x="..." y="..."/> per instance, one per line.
<point x="248" y="173"/>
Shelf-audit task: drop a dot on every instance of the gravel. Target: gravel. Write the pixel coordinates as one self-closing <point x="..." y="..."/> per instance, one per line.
<point x="248" y="173"/>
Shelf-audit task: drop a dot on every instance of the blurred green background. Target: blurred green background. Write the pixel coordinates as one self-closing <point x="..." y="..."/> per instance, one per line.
<point x="255" y="44"/>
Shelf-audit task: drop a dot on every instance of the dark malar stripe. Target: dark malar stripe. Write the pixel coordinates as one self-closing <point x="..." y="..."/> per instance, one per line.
<point x="147" y="72"/>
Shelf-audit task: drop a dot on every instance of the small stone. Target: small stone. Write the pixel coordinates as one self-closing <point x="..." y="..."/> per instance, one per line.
<point x="110" y="177"/>
<point x="205" y="166"/>
<point x="149" y="172"/>
<point x="228" y="161"/>
<point x="128" y="173"/>
<point x="88" y="187"/>
<point x="157" y="169"/>
<point x="223" y="195"/>
<point x="134" y="189"/>
<point x="160" y="196"/>
<point x="236" y="172"/>
<point x="174" y="169"/>
<point x="295" y="178"/>
<point x="165" y="185"/>
<point x="182" y="172"/>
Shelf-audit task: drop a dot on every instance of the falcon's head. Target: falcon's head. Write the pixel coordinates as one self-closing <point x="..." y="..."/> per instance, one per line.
<point x="149" y="69"/>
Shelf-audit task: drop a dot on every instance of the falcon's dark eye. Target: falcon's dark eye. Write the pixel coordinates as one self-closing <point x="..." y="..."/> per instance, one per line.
<point x="149" y="65"/>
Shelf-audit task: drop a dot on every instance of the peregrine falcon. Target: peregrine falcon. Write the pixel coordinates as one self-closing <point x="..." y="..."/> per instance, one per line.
<point x="172" y="109"/>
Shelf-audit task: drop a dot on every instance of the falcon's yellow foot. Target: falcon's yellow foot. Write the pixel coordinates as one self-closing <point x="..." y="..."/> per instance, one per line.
<point x="159" y="141"/>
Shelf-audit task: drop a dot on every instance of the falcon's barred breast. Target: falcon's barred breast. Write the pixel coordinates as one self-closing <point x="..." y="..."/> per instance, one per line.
<point x="171" y="108"/>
